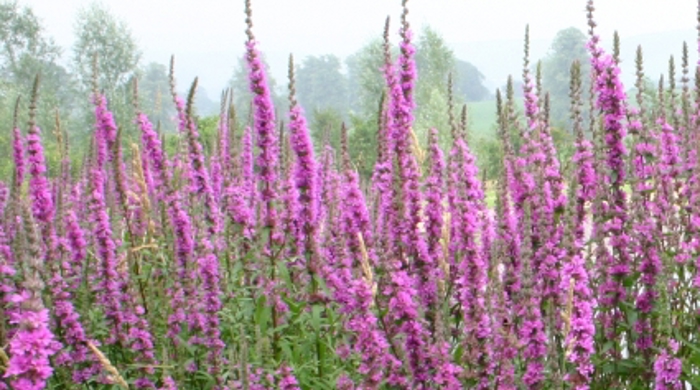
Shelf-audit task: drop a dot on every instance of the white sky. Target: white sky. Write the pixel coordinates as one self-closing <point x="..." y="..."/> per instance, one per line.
<point x="206" y="36"/>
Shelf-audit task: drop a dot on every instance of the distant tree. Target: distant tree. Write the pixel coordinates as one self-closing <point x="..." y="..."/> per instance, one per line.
<point x="435" y="62"/>
<point x="469" y="82"/>
<point x="568" y="45"/>
<point x="26" y="51"/>
<point x="242" y="97"/>
<point x="434" y="59"/>
<point x="325" y="127"/>
<point x="362" y="144"/>
<point x="320" y="84"/>
<point x="101" y="34"/>
<point x="154" y="92"/>
<point x="365" y="80"/>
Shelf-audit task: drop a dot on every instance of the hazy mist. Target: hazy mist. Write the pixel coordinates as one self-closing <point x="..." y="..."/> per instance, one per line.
<point x="207" y="36"/>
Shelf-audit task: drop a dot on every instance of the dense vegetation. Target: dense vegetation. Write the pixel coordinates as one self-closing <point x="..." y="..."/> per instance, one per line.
<point x="249" y="258"/>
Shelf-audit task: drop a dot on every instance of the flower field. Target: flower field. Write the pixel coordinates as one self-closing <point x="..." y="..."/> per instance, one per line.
<point x="270" y="263"/>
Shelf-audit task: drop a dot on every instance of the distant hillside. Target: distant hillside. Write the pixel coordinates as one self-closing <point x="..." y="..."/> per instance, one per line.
<point x="498" y="58"/>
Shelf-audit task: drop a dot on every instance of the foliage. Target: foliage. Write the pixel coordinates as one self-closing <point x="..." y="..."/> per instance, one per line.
<point x="568" y="46"/>
<point x="101" y="37"/>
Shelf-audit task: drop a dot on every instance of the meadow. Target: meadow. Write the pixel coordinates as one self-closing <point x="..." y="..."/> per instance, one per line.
<point x="266" y="262"/>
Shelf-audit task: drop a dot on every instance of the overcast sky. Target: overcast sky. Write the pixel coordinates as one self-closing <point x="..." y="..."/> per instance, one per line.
<point x="206" y="36"/>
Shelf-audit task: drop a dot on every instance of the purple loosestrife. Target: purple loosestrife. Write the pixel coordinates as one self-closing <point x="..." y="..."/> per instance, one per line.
<point x="108" y="285"/>
<point x="106" y="126"/>
<point x="216" y="173"/>
<point x="542" y="168"/>
<point x="264" y="125"/>
<point x="184" y="289"/>
<point x="668" y="368"/>
<point x="645" y="225"/>
<point x="304" y="169"/>
<point x="18" y="154"/>
<point x="406" y="320"/>
<point x="583" y="157"/>
<point x="290" y="215"/>
<point x="531" y="155"/>
<point x="358" y="297"/>
<point x="500" y="306"/>
<point x="505" y="345"/>
<point x="402" y="307"/>
<point x="208" y="265"/>
<point x="67" y="321"/>
<point x="209" y="274"/>
<point x="356" y="218"/>
<point x="610" y="102"/>
<point x="408" y="200"/>
<point x="388" y="224"/>
<point x="39" y="187"/>
<point x="238" y="209"/>
<point x="200" y="181"/>
<point x="429" y="272"/>
<point x="446" y="373"/>
<point x="287" y="380"/>
<point x="224" y="138"/>
<point x="466" y="201"/>
<point x="7" y="283"/>
<point x="248" y="167"/>
<point x="151" y="146"/>
<point x="381" y="174"/>
<point x="33" y="343"/>
<point x="575" y="285"/>
<point x="183" y="293"/>
<point x="668" y="170"/>
<point x="507" y="221"/>
<point x="531" y="330"/>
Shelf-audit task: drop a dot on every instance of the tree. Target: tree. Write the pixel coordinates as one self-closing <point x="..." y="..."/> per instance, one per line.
<point x="320" y="84"/>
<point x="242" y="97"/>
<point x="568" y="45"/>
<point x="469" y="82"/>
<point x="325" y="127"/>
<point x="435" y="62"/>
<point x="25" y="52"/>
<point x="100" y="35"/>
<point x="365" y="80"/>
<point x="154" y="87"/>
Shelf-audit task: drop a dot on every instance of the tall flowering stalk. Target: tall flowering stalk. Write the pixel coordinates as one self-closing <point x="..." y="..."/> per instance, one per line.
<point x="434" y="220"/>
<point x="407" y="177"/>
<point x="33" y="343"/>
<point x="466" y="201"/>
<point x="579" y="328"/>
<point x="611" y="103"/>
<point x="668" y="368"/>
<point x="502" y="295"/>
<point x="507" y="221"/>
<point x="531" y="330"/>
<point x="200" y="181"/>
<point x="208" y="265"/>
<point x="17" y="151"/>
<point x="264" y="126"/>
<point x="359" y="295"/>
<point x="39" y="187"/>
<point x="645" y="225"/>
<point x="108" y="288"/>
<point x="383" y="169"/>
<point x="304" y="175"/>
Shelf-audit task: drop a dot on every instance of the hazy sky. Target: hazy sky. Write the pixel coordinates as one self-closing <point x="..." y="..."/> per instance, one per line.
<point x="206" y="36"/>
